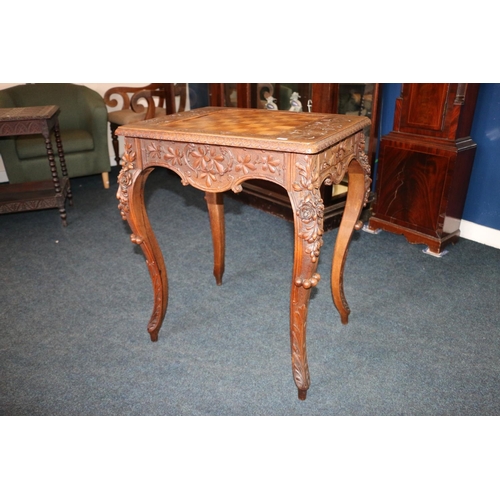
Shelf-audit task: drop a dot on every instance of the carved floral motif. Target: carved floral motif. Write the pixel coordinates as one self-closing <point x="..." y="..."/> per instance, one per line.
<point x="362" y="158"/>
<point x="245" y="164"/>
<point x="209" y="162"/>
<point x="125" y="179"/>
<point x="155" y="150"/>
<point x="270" y="163"/>
<point x="310" y="208"/>
<point x="214" y="165"/>
<point x="173" y="156"/>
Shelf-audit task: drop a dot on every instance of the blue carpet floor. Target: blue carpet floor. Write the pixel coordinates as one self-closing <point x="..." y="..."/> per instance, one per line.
<point x="423" y="337"/>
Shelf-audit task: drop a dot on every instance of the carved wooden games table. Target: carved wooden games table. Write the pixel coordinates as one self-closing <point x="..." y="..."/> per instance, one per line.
<point x="40" y="194"/>
<point x="216" y="149"/>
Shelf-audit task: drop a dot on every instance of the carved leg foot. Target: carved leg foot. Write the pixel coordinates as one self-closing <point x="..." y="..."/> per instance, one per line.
<point x="299" y="303"/>
<point x="350" y="221"/>
<point x="215" y="204"/>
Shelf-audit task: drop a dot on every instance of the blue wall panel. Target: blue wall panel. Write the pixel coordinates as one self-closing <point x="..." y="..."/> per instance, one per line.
<point x="483" y="198"/>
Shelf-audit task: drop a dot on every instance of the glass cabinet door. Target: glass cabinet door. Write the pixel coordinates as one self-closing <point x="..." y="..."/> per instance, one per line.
<point x="284" y="96"/>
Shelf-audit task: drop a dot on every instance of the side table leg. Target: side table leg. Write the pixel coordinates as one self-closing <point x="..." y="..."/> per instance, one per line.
<point x="55" y="177"/>
<point x="62" y="161"/>
<point x="215" y="204"/>
<point x="308" y="225"/>
<point x="131" y="184"/>
<point x="350" y="219"/>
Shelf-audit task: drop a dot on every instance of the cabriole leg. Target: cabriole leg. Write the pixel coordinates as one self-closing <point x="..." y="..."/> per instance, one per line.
<point x="131" y="182"/>
<point x="350" y="221"/>
<point x="308" y="223"/>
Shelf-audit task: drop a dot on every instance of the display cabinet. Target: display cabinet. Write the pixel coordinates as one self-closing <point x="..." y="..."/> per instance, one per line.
<point x="425" y="163"/>
<point x="349" y="98"/>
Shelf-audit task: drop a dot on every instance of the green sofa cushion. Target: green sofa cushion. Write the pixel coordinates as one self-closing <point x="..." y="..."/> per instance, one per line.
<point x="72" y="140"/>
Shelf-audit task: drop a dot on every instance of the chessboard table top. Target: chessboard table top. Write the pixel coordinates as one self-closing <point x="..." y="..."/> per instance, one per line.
<point x="251" y="128"/>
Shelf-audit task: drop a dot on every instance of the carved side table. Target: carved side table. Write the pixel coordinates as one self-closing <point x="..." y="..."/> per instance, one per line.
<point x="43" y="194"/>
<point x="216" y="149"/>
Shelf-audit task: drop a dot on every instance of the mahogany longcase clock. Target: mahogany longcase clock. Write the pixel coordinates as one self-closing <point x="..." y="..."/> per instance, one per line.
<point x="425" y="163"/>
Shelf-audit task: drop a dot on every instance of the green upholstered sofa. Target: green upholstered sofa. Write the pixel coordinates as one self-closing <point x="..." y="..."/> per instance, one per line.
<point x="83" y="125"/>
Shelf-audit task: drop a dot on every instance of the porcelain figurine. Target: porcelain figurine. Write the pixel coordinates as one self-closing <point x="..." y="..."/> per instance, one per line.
<point x="270" y="103"/>
<point x="295" y="104"/>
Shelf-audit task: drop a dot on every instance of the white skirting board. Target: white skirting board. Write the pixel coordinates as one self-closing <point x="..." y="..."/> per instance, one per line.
<point x="481" y="234"/>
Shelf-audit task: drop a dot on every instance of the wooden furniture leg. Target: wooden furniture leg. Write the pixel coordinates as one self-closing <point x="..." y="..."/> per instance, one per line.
<point x="350" y="221"/>
<point x="299" y="304"/>
<point x="105" y="180"/>
<point x="215" y="204"/>
<point x="131" y="183"/>
<point x="308" y="228"/>
<point x="62" y="161"/>
<point x="55" y="176"/>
